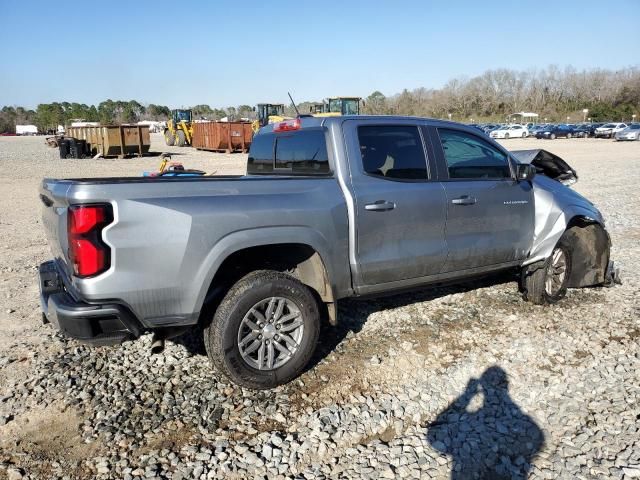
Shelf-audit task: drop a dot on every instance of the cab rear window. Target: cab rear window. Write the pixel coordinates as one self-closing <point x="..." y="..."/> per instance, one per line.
<point x="296" y="153"/>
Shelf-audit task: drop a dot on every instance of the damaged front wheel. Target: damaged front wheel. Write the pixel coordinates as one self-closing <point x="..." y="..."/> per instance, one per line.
<point x="548" y="283"/>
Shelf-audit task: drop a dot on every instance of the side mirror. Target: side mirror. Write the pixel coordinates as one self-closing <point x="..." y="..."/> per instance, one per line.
<point x="525" y="171"/>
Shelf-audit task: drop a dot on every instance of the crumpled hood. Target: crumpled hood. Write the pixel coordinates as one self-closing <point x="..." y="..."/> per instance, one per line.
<point x="547" y="164"/>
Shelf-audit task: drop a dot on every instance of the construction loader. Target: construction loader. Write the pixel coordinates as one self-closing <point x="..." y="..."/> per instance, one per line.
<point x="179" y="130"/>
<point x="337" y="106"/>
<point x="268" y="113"/>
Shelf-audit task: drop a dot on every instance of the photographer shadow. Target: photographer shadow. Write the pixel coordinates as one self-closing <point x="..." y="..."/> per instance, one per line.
<point x="486" y="433"/>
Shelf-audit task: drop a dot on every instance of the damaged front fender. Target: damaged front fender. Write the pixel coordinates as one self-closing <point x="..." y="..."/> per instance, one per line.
<point x="560" y="211"/>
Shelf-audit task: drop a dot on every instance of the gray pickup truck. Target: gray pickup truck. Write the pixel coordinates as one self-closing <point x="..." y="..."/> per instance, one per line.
<point x="330" y="208"/>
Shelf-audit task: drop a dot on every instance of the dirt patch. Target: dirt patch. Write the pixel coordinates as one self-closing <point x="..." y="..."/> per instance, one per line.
<point x="49" y="434"/>
<point x="172" y="440"/>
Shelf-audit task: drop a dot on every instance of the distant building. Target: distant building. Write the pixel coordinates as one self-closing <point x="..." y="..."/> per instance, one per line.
<point x="26" y="130"/>
<point x="82" y="123"/>
<point x="153" y="125"/>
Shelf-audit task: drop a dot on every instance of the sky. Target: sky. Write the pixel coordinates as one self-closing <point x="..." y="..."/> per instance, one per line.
<point x="225" y="53"/>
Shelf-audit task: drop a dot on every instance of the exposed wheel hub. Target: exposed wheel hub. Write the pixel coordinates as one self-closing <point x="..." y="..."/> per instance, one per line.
<point x="269" y="331"/>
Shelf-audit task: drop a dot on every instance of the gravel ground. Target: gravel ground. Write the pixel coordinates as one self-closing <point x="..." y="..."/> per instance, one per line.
<point x="460" y="382"/>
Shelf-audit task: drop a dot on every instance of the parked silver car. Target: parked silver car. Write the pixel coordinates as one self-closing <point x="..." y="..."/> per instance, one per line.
<point x="608" y="130"/>
<point x="632" y="132"/>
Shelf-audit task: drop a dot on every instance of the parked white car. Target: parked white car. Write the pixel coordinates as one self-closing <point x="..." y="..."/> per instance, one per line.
<point x="608" y="130"/>
<point x="510" y="131"/>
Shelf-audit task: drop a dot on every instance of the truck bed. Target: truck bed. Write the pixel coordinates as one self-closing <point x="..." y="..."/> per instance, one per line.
<point x="169" y="234"/>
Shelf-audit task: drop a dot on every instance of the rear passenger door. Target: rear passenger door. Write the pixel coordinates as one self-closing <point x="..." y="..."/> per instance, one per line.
<point x="490" y="215"/>
<point x="399" y="209"/>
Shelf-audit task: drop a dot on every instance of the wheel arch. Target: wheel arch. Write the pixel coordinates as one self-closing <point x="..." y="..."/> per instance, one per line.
<point x="303" y="256"/>
<point x="590" y="251"/>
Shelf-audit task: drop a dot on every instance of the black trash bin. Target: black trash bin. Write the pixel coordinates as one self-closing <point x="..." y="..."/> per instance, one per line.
<point x="64" y="147"/>
<point x="78" y="148"/>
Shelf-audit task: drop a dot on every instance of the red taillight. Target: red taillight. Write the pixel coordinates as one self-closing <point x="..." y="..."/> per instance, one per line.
<point x="87" y="258"/>
<point x="287" y="125"/>
<point x="87" y="252"/>
<point x="83" y="218"/>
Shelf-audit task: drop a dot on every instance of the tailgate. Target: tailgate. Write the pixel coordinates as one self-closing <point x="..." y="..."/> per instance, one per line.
<point x="54" y="217"/>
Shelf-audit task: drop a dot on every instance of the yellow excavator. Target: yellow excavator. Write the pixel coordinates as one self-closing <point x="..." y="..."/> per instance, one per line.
<point x="268" y="113"/>
<point x="337" y="106"/>
<point x="179" y="130"/>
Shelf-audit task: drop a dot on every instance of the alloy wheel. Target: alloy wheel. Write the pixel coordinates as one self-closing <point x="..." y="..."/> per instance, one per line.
<point x="270" y="333"/>
<point x="556" y="272"/>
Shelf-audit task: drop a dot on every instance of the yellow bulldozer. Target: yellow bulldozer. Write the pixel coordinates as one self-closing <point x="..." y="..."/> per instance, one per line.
<point x="337" y="106"/>
<point x="268" y="113"/>
<point x="179" y="130"/>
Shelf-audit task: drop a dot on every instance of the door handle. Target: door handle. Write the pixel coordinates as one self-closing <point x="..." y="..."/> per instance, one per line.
<point x="380" y="206"/>
<point x="464" y="200"/>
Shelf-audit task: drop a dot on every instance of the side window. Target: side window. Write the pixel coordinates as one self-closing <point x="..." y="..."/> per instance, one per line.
<point x="393" y="152"/>
<point x="469" y="156"/>
<point x="303" y="152"/>
<point x="261" y="154"/>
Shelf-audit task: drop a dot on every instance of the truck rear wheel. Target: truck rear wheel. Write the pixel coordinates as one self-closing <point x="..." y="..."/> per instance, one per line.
<point x="264" y="331"/>
<point x="181" y="138"/>
<point x="169" y="138"/>
<point x="548" y="284"/>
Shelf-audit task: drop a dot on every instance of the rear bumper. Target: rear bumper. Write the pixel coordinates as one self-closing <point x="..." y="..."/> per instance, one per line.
<point x="95" y="324"/>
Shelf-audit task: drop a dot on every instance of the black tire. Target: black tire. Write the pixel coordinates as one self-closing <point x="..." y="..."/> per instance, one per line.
<point x="552" y="136"/>
<point x="534" y="283"/>
<point x="169" y="138"/>
<point x="181" y="139"/>
<point x="221" y="335"/>
<point x="506" y="135"/>
<point x="524" y="134"/>
<point x="569" y="135"/>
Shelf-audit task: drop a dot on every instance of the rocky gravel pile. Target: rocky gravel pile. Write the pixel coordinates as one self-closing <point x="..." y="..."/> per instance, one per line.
<point x="461" y="382"/>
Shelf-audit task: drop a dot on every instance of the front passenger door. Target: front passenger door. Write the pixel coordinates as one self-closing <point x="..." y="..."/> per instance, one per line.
<point x="490" y="215"/>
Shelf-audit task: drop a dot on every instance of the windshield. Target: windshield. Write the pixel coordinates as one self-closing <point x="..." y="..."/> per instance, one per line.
<point x="351" y="107"/>
<point x="609" y="125"/>
<point x="344" y="106"/>
<point x="274" y="110"/>
<point x="183" y="115"/>
<point x="634" y="126"/>
<point x="335" y="105"/>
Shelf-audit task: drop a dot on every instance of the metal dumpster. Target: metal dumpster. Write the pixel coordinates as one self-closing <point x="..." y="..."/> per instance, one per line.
<point x="222" y="136"/>
<point x="114" y="140"/>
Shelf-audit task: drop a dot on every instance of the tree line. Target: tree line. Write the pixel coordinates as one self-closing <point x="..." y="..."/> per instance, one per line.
<point x="552" y="92"/>
<point x="47" y="116"/>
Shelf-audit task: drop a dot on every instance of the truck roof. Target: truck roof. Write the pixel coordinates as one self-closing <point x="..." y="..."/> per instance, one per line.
<point x="309" y="121"/>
